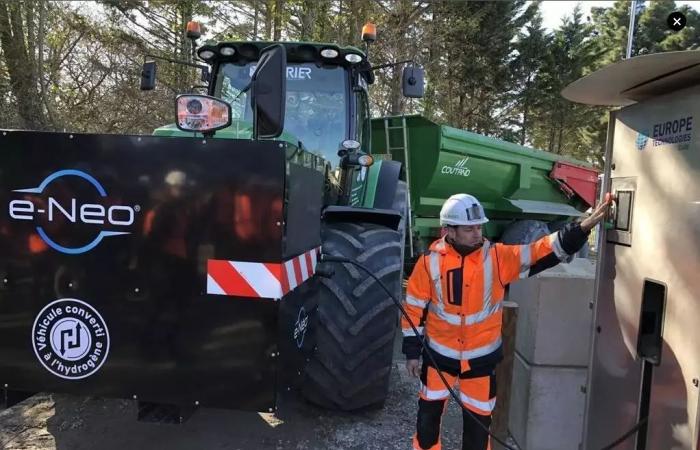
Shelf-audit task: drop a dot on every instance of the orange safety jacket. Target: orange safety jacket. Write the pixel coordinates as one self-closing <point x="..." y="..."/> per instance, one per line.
<point x="456" y="301"/>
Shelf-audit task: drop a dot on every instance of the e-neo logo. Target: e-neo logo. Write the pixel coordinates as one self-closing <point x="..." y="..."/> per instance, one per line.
<point x="300" y="327"/>
<point x="115" y="216"/>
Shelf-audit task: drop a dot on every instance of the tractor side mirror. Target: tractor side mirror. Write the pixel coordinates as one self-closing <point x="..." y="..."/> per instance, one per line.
<point x="204" y="74"/>
<point x="268" y="92"/>
<point x="413" y="85"/>
<point x="148" y="76"/>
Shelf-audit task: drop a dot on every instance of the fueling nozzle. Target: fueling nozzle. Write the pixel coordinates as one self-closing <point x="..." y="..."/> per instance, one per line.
<point x="611" y="199"/>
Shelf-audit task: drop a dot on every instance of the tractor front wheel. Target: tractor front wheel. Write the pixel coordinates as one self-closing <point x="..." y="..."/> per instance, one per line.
<point x="357" y="320"/>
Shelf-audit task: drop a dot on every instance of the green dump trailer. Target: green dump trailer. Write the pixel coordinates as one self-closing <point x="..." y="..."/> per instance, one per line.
<point x="525" y="192"/>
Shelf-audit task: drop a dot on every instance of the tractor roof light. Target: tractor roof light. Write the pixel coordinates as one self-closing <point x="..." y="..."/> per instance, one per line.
<point x="206" y="54"/>
<point x="227" y="50"/>
<point x="329" y="53"/>
<point x="353" y="58"/>
<point x="194" y="30"/>
<point x="365" y="160"/>
<point x="369" y="32"/>
<point x="201" y="113"/>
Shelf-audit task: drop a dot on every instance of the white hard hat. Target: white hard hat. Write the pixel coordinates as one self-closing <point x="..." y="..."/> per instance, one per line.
<point x="462" y="209"/>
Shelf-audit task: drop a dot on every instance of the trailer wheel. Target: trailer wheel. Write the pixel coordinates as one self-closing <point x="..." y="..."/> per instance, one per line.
<point x="356" y="321"/>
<point x="524" y="232"/>
<point x="558" y="225"/>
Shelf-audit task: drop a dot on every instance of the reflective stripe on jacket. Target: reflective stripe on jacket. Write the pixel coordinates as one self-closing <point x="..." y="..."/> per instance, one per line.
<point x="457" y="299"/>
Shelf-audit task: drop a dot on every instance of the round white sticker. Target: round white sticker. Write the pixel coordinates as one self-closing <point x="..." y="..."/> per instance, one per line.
<point x="70" y="339"/>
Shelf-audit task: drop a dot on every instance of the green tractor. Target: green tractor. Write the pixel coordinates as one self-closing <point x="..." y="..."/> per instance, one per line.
<point x="182" y="269"/>
<point x="313" y="97"/>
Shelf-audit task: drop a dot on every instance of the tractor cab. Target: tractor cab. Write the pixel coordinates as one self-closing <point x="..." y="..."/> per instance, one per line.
<point x="325" y="102"/>
<point x="313" y="96"/>
<point x="322" y="102"/>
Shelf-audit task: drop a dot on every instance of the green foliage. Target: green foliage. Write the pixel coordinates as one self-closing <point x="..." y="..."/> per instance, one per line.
<point x="558" y="123"/>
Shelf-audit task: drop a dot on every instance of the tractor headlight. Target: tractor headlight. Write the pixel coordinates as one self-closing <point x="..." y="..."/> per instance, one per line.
<point x="365" y="160"/>
<point x="353" y="58"/>
<point x="329" y="53"/>
<point x="227" y="50"/>
<point x="206" y="54"/>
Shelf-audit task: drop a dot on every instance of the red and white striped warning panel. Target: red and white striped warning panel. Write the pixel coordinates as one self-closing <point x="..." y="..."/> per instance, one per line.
<point x="260" y="280"/>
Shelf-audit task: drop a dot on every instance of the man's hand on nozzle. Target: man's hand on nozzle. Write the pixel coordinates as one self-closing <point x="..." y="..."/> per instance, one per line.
<point x="597" y="215"/>
<point x="413" y="367"/>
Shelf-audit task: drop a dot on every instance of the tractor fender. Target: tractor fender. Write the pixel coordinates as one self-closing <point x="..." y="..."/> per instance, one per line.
<point x="387" y="183"/>
<point x="387" y="217"/>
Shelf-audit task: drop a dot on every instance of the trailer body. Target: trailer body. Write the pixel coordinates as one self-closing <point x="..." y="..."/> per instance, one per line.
<point x="513" y="182"/>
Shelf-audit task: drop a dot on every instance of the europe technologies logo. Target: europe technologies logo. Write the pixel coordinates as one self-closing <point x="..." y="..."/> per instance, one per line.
<point x="642" y="139"/>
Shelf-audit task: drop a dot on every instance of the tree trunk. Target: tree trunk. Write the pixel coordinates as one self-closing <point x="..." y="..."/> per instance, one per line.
<point x="525" y="124"/>
<point x="339" y="36"/>
<point x="308" y="20"/>
<point x="269" y="11"/>
<point x="433" y="63"/>
<point x="526" y="111"/>
<point x="183" y="14"/>
<point x="279" y="5"/>
<point x="47" y="101"/>
<point x="255" y="20"/>
<point x="31" y="38"/>
<point x="552" y="131"/>
<point x="360" y="13"/>
<point x="396" y="92"/>
<point x="20" y="63"/>
<point x="562" y="124"/>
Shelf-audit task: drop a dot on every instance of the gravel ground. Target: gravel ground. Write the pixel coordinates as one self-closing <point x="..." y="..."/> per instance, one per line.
<point x="64" y="422"/>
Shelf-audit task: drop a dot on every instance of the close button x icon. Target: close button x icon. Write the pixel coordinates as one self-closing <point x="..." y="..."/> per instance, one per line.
<point x="676" y="21"/>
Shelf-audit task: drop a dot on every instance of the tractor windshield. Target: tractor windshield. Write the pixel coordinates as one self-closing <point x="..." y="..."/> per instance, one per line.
<point x="316" y="106"/>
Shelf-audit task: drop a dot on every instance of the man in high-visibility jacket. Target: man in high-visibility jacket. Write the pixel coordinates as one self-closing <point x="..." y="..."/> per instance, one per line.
<point x="454" y="296"/>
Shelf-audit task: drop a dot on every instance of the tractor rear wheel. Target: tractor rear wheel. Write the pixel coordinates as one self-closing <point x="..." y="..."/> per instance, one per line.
<point x="357" y="320"/>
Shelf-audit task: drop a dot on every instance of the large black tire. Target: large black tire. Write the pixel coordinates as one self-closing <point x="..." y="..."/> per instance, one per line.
<point x="524" y="232"/>
<point x="356" y="320"/>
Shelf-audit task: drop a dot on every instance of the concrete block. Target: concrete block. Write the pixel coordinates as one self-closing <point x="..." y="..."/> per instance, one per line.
<point x="555" y="318"/>
<point x="546" y="406"/>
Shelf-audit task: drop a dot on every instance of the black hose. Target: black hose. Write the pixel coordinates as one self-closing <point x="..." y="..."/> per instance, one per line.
<point x="624" y="437"/>
<point x="342" y="259"/>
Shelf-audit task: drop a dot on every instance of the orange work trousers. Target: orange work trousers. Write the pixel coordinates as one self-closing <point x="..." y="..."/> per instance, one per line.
<point x="477" y="392"/>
